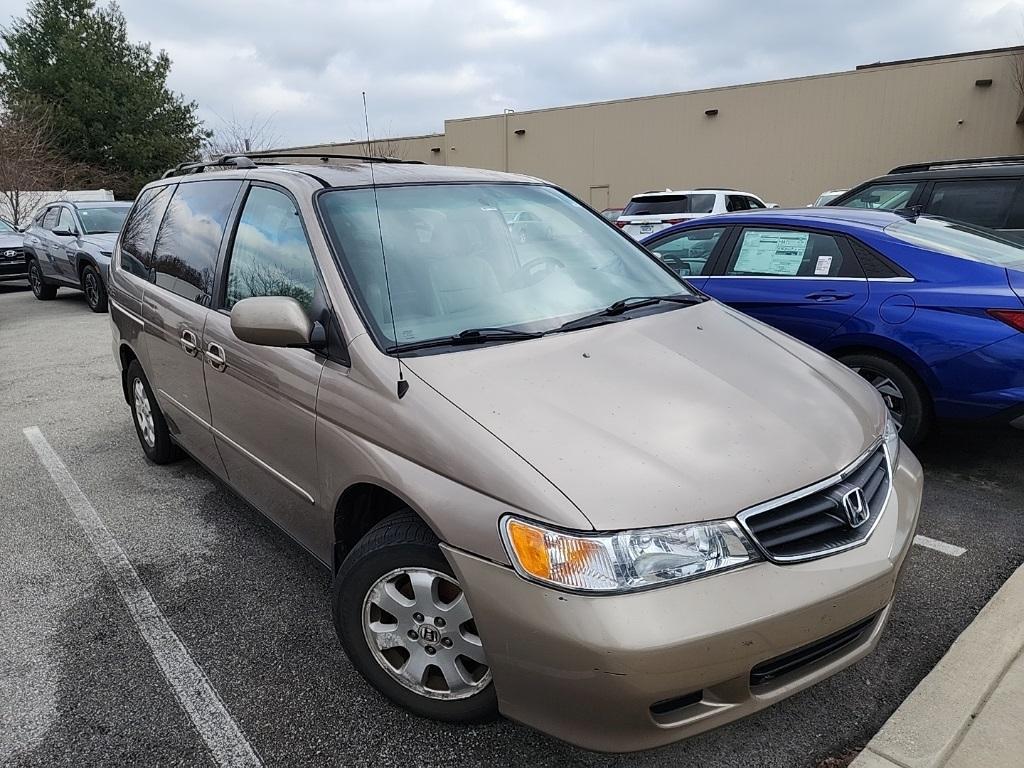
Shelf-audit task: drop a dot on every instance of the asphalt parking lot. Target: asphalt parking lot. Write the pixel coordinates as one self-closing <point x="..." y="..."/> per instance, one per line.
<point x="79" y="686"/>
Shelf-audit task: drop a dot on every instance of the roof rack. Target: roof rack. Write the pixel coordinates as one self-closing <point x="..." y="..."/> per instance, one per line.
<point x="961" y="163"/>
<point x="249" y="161"/>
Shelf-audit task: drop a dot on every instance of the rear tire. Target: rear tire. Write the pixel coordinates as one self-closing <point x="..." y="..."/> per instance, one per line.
<point x="95" y="291"/>
<point x="150" y="425"/>
<point x="430" y="625"/>
<point x="904" y="396"/>
<point x="41" y="289"/>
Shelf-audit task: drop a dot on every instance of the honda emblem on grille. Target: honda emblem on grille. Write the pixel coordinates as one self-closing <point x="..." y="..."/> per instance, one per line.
<point x="855" y="508"/>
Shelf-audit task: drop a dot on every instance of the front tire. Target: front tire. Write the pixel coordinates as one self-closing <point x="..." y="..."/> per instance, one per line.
<point x="95" y="291"/>
<point x="40" y="288"/>
<point x="150" y="425"/>
<point x="904" y="396"/>
<point x="404" y="622"/>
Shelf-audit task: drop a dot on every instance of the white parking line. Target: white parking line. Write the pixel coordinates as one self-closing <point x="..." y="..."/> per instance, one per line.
<point x="188" y="681"/>
<point x="939" y="546"/>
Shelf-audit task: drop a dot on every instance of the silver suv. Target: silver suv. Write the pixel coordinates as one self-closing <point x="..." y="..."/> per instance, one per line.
<point x="548" y="477"/>
<point x="69" y="244"/>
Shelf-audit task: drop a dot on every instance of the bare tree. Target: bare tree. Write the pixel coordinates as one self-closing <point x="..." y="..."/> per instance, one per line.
<point x="235" y="136"/>
<point x="30" y="166"/>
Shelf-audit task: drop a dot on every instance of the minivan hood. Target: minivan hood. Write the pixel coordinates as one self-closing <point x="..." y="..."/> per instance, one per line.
<point x="685" y="415"/>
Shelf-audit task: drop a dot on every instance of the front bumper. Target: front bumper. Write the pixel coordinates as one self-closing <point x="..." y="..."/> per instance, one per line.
<point x="14" y="269"/>
<point x="589" y="669"/>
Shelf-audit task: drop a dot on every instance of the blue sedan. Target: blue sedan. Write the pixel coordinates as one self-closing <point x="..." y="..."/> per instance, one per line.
<point x="928" y="310"/>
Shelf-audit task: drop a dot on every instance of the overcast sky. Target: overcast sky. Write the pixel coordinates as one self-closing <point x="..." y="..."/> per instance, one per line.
<point x="303" y="63"/>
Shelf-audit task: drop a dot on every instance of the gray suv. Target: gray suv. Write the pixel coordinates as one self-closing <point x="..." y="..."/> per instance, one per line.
<point x="69" y="244"/>
<point x="549" y="478"/>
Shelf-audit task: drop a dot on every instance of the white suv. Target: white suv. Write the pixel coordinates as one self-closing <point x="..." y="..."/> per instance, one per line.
<point x="652" y="211"/>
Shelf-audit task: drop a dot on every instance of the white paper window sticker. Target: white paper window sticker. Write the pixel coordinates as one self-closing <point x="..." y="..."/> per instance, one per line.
<point x="771" y="253"/>
<point x="823" y="266"/>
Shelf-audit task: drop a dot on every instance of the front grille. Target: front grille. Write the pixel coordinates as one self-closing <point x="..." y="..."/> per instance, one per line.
<point x="11" y="254"/>
<point x="769" y="670"/>
<point x="821" y="521"/>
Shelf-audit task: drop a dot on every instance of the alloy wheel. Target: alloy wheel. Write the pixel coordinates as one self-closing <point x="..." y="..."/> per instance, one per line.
<point x="92" y="288"/>
<point x="144" y="413"/>
<point x="419" y="628"/>
<point x="34" y="279"/>
<point x="891" y="394"/>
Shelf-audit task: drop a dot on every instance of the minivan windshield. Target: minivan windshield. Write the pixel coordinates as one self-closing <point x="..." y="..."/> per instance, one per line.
<point x="959" y="239"/>
<point x="523" y="257"/>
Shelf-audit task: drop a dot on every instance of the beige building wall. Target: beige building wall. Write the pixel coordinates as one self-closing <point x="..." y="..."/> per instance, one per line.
<point x="786" y="140"/>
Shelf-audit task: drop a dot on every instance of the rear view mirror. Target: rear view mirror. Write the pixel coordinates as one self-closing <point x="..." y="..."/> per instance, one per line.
<point x="271" y="321"/>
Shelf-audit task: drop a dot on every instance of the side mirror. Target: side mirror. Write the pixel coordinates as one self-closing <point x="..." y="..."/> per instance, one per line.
<point x="271" y="321"/>
<point x="64" y="233"/>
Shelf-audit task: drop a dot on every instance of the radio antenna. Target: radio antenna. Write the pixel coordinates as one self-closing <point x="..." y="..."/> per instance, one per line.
<point x="403" y="385"/>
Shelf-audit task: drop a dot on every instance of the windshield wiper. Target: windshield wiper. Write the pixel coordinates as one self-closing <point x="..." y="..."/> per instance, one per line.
<point x="468" y="336"/>
<point x="624" y="305"/>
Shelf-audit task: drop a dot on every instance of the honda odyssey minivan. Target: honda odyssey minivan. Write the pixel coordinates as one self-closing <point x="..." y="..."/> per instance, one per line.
<point x="550" y="479"/>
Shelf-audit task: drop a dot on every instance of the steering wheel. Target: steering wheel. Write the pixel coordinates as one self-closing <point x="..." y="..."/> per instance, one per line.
<point x="537" y="269"/>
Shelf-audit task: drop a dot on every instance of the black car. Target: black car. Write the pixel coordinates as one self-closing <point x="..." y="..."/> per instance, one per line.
<point x="12" y="253"/>
<point x="986" y="192"/>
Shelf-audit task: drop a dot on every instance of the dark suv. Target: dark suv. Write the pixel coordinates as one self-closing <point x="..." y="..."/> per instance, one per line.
<point x="986" y="192"/>
<point x="69" y="244"/>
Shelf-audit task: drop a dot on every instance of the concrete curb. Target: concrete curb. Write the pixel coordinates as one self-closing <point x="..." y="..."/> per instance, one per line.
<point x="934" y="721"/>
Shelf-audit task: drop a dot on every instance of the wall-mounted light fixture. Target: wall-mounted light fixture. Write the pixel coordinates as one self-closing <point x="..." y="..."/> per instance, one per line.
<point x="984" y="82"/>
<point x="435" y="149"/>
<point x="710" y="112"/>
<point x="519" y="131"/>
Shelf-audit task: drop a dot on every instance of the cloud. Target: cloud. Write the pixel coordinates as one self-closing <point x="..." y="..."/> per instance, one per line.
<point x="420" y="61"/>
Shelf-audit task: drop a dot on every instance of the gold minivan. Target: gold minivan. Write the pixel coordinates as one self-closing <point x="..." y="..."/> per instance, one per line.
<point x="550" y="478"/>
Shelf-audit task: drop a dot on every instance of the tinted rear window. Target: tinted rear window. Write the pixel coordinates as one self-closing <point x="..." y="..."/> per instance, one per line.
<point x="957" y="239"/>
<point x="984" y="202"/>
<point x="185" y="254"/>
<point x="662" y="204"/>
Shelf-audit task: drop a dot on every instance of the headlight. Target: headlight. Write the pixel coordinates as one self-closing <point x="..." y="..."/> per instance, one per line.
<point x="891" y="436"/>
<point x="627" y="560"/>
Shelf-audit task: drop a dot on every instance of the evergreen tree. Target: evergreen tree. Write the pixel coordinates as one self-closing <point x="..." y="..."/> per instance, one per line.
<point x="108" y="96"/>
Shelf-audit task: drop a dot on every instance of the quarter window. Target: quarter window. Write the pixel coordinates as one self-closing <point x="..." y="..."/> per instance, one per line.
<point x="736" y="203"/>
<point x="688" y="252"/>
<point x="140" y="230"/>
<point x="789" y="253"/>
<point x="982" y="202"/>
<point x="270" y="255"/>
<point x="185" y="253"/>
<point x="887" y="197"/>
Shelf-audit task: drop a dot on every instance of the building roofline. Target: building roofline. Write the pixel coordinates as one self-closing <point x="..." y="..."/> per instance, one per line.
<point x="720" y="88"/>
<point x="926" y="59"/>
<point x="355" y="142"/>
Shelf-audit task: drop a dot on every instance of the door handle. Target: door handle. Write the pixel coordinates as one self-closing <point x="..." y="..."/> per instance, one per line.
<point x="828" y="296"/>
<point x="189" y="342"/>
<point x="215" y="354"/>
